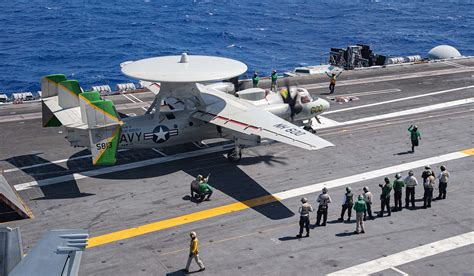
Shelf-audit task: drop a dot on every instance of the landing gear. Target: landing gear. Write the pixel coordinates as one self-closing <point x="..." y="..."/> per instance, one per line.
<point x="310" y="129"/>
<point x="234" y="155"/>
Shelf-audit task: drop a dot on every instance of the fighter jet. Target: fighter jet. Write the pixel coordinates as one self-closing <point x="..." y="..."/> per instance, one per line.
<point x="192" y="103"/>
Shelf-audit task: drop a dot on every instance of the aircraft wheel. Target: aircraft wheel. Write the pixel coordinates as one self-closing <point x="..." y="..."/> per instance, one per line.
<point x="233" y="156"/>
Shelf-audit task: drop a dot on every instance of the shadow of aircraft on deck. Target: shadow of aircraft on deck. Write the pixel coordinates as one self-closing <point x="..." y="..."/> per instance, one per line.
<point x="27" y="162"/>
<point x="226" y="177"/>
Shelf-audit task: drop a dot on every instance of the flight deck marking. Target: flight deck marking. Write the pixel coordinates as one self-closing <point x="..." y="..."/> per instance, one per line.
<point x="398" y="100"/>
<point x="424" y="74"/>
<point x="238" y="206"/>
<point x="117" y="168"/>
<point x="409" y="255"/>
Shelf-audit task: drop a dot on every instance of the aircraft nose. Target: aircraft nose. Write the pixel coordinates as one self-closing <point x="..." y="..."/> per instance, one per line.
<point x="325" y="105"/>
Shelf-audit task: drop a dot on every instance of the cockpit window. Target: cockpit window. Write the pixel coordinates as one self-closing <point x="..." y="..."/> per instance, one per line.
<point x="305" y="99"/>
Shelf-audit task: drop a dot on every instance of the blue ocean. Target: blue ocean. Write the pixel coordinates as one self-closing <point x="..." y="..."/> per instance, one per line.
<point x="87" y="40"/>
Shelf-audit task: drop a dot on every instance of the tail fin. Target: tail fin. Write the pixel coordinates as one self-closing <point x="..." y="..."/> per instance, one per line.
<point x="68" y="96"/>
<point x="49" y="85"/>
<point x="104" y="126"/>
<point x="49" y="88"/>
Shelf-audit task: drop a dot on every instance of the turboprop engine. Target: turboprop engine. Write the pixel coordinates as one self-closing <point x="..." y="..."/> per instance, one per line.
<point x="305" y="107"/>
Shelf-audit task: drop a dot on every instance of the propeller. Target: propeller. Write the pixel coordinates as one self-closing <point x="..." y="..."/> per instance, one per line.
<point x="291" y="101"/>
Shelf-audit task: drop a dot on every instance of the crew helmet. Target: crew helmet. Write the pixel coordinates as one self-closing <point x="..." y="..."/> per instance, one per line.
<point x="348" y="189"/>
<point x="411" y="173"/>
<point x="386" y="179"/>
<point x="366" y="189"/>
<point x="443" y="168"/>
<point x="427" y="167"/>
<point x="361" y="197"/>
<point x="325" y="190"/>
<point x="304" y="200"/>
<point x="192" y="234"/>
<point x="398" y="176"/>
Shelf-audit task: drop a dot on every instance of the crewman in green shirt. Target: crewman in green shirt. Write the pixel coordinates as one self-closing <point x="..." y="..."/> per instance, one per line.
<point x="360" y="207"/>
<point x="204" y="190"/>
<point x="274" y="77"/>
<point x="255" y="79"/>
<point x="398" y="185"/>
<point x="385" y="196"/>
<point x="415" y="136"/>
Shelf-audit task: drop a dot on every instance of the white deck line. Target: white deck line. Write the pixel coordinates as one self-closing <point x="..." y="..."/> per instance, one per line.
<point x="392" y="77"/>
<point x="367" y="93"/>
<point x="52" y="162"/>
<point x="409" y="111"/>
<point x="128" y="98"/>
<point x="134" y="165"/>
<point x="159" y="152"/>
<point x="398" y="100"/>
<point x="409" y="255"/>
<point x="370" y="175"/>
<point x="135" y="97"/>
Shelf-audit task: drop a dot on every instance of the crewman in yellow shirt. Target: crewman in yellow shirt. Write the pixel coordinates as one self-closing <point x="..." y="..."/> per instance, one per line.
<point x="194" y="253"/>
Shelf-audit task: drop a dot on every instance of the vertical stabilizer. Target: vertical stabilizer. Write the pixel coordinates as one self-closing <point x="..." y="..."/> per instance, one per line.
<point x="104" y="126"/>
<point x="49" y="85"/>
<point x="68" y="93"/>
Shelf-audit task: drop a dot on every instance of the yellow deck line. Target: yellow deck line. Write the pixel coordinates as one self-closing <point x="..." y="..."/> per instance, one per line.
<point x="168" y="223"/>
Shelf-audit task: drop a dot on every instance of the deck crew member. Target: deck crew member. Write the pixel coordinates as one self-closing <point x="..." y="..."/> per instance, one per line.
<point x="304" y="211"/>
<point x="255" y="79"/>
<point x="443" y="182"/>
<point x="332" y="82"/>
<point x="323" y="199"/>
<point x="194" y="253"/>
<point x="368" y="201"/>
<point x="415" y="136"/>
<point x="347" y="204"/>
<point x="385" y="196"/>
<point x="360" y="207"/>
<point x="410" y="183"/>
<point x="274" y="78"/>
<point x="398" y="185"/>
<point x="427" y="172"/>
<point x="204" y="190"/>
<point x="428" y="184"/>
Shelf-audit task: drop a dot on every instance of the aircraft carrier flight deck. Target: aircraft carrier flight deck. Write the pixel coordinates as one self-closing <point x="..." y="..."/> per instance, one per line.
<point x="139" y="212"/>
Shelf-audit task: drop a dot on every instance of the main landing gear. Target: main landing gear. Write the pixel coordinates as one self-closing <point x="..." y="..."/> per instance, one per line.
<point x="309" y="126"/>
<point x="235" y="154"/>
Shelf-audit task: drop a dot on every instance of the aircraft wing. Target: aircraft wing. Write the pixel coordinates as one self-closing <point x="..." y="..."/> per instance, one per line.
<point x="227" y="111"/>
<point x="59" y="252"/>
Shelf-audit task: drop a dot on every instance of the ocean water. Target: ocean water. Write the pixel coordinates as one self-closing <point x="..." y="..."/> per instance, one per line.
<point x="87" y="40"/>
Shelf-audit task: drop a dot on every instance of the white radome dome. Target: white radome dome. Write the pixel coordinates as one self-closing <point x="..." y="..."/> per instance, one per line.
<point x="443" y="52"/>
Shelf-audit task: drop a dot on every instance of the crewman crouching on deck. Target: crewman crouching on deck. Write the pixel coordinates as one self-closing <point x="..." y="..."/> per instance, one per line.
<point x="304" y="211"/>
<point x="194" y="253"/>
<point x="204" y="190"/>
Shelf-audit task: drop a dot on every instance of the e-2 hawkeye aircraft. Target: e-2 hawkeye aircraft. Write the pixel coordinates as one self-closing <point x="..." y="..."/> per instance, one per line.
<point x="190" y="105"/>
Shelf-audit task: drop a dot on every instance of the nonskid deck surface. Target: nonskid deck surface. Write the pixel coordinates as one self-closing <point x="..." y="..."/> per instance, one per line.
<point x="239" y="233"/>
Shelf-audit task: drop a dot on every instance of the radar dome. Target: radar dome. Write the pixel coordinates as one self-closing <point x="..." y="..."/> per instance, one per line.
<point x="443" y="52"/>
